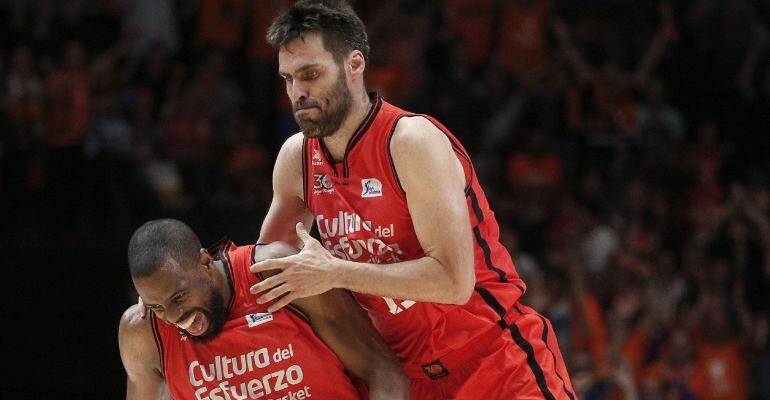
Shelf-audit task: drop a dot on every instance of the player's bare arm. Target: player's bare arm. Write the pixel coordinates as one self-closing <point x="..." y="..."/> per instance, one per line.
<point x="434" y="183"/>
<point x="287" y="207"/>
<point x="140" y="358"/>
<point x="344" y="326"/>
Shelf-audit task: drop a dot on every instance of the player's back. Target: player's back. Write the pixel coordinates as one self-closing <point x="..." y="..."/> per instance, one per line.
<point x="257" y="354"/>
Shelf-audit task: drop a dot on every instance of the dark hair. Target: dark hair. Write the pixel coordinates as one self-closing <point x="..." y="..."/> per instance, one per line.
<point x="158" y="241"/>
<point x="340" y="28"/>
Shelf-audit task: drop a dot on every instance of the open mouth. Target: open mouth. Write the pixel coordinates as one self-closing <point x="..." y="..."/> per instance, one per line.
<point x="196" y="324"/>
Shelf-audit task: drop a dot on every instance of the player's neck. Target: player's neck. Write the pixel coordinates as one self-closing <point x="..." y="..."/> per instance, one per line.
<point x="337" y="142"/>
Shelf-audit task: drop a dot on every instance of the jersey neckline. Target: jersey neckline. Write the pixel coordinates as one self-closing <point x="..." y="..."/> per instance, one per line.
<point x="360" y="131"/>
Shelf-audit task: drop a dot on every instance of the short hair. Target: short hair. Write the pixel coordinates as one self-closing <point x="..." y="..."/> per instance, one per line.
<point x="339" y="26"/>
<point x="158" y="241"/>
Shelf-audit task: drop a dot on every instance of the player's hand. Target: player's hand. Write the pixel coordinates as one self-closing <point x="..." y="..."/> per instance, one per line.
<point x="311" y="272"/>
<point x="142" y="308"/>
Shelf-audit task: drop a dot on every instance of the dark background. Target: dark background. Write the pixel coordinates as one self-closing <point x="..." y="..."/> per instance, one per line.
<point x="623" y="144"/>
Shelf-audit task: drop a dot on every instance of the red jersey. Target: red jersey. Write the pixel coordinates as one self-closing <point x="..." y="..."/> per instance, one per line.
<point x="257" y="354"/>
<point x="362" y="215"/>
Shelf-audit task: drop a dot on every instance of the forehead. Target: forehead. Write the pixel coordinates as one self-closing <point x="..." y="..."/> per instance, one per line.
<point x="158" y="287"/>
<point x="303" y="51"/>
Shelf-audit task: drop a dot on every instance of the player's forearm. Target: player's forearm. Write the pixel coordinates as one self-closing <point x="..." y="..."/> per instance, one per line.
<point x="387" y="382"/>
<point x="424" y="279"/>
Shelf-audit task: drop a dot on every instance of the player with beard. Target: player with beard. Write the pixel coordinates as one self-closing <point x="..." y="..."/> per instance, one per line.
<point x="403" y="223"/>
<point x="206" y="338"/>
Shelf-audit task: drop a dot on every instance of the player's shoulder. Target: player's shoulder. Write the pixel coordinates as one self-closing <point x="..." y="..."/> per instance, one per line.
<point x="416" y="130"/>
<point x="290" y="155"/>
<point x="293" y="144"/>
<point x="137" y="345"/>
<point x="132" y="325"/>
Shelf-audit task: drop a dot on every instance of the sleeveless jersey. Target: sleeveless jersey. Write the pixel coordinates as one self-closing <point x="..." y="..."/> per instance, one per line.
<point x="257" y="354"/>
<point x="361" y="212"/>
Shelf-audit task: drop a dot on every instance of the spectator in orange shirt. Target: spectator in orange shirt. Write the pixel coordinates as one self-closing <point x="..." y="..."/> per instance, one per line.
<point x="720" y="367"/>
<point x="221" y="24"/>
<point x="668" y="378"/>
<point x="68" y="123"/>
<point x="535" y="169"/>
<point x="472" y="20"/>
<point x="69" y="101"/>
<point x="523" y="36"/>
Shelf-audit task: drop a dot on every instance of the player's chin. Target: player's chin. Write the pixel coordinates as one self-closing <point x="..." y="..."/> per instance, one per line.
<point x="212" y="330"/>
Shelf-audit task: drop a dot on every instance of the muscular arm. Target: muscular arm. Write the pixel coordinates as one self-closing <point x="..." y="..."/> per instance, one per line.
<point x="140" y="358"/>
<point x="434" y="182"/>
<point x="341" y="323"/>
<point x="287" y="207"/>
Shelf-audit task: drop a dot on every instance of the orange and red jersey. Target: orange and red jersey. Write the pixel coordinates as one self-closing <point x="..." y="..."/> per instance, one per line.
<point x="362" y="215"/>
<point x="257" y="354"/>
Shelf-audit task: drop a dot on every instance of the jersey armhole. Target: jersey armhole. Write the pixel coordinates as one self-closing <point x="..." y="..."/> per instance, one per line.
<point x="390" y="154"/>
<point x="462" y="156"/>
<point x="304" y="172"/>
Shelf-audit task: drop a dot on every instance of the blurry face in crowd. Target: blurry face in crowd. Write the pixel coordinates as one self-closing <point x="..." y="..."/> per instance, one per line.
<point x="188" y="296"/>
<point x="74" y="56"/>
<point x="680" y="351"/>
<point x="316" y="85"/>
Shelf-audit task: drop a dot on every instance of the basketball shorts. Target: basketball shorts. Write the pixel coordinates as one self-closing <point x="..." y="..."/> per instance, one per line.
<point x="520" y="361"/>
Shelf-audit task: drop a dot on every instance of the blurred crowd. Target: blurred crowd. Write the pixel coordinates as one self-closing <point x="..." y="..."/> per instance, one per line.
<point x="624" y="146"/>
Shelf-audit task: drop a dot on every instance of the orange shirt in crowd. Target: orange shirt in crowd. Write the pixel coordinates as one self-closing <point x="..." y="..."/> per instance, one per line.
<point x="472" y="21"/>
<point x="720" y="372"/>
<point x="587" y="330"/>
<point x="221" y="23"/>
<point x="535" y="172"/>
<point x="262" y="14"/>
<point x="635" y="348"/>
<point x="69" y="107"/>
<point x="523" y="36"/>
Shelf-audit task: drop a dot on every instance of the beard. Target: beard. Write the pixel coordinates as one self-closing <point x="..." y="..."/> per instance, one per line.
<point x="216" y="315"/>
<point x="336" y="106"/>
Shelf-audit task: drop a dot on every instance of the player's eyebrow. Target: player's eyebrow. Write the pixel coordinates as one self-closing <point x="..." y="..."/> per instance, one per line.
<point x="299" y="70"/>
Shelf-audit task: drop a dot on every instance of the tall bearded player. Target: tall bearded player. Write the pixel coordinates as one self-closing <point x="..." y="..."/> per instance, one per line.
<point x="403" y="224"/>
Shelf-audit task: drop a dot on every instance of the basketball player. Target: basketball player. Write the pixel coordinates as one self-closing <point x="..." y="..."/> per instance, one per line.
<point x="207" y="339"/>
<point x="403" y="224"/>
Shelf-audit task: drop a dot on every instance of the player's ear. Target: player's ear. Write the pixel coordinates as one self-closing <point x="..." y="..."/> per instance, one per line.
<point x="355" y="64"/>
<point x="205" y="260"/>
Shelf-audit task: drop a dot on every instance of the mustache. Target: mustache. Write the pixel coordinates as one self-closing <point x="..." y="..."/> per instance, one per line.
<point x="302" y="104"/>
<point x="184" y="317"/>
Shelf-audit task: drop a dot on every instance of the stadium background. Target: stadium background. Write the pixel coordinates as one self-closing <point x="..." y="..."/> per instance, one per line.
<point x="623" y="144"/>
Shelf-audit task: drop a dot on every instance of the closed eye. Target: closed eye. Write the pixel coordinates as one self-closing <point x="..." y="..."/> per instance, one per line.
<point x="177" y="299"/>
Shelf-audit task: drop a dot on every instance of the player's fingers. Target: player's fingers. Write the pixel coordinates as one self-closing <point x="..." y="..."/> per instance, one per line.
<point x="142" y="308"/>
<point x="303" y="234"/>
<point x="283" y="302"/>
<point x="266" y="265"/>
<point x="273" y="294"/>
<point x="268" y="283"/>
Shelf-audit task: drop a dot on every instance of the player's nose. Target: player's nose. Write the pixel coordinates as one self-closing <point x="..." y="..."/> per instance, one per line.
<point x="299" y="91"/>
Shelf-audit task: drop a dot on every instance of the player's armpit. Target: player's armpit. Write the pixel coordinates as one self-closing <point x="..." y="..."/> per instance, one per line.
<point x="140" y="357"/>
<point x="345" y="327"/>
